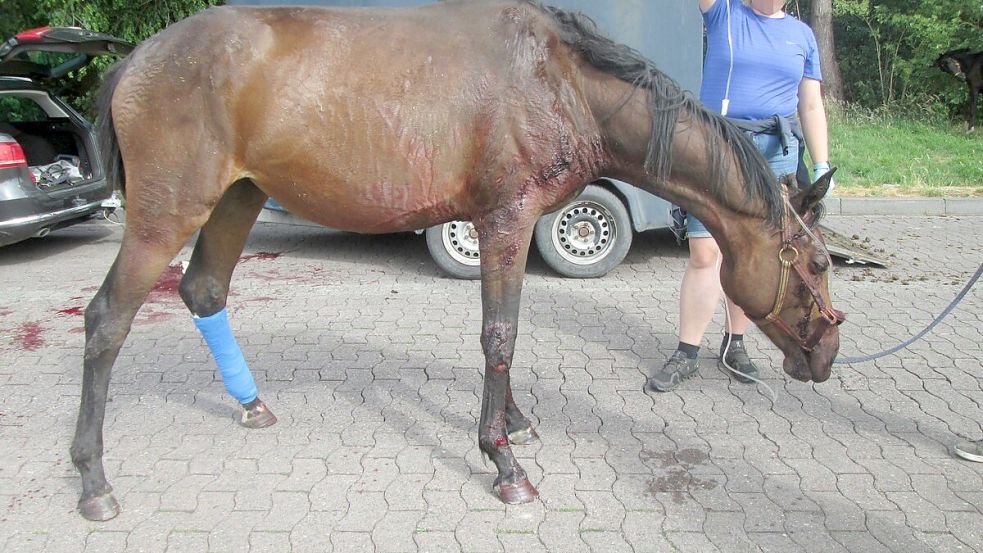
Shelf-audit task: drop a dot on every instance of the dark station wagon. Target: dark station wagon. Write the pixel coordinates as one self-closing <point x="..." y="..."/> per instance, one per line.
<point x="50" y="170"/>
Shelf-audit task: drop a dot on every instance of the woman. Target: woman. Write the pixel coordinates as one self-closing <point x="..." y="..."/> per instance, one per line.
<point x="761" y="70"/>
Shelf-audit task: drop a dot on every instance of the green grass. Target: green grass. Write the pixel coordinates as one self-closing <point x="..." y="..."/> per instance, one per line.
<point x="883" y="154"/>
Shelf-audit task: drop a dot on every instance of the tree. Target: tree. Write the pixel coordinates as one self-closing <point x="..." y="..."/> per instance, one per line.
<point x="822" y="26"/>
<point x="887" y="50"/>
<point x="17" y="16"/>
<point x="127" y="19"/>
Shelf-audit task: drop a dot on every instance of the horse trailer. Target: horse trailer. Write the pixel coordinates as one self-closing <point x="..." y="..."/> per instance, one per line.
<point x="591" y="235"/>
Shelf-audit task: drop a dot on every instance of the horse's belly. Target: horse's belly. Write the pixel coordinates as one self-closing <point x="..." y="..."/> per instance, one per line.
<point x="365" y="202"/>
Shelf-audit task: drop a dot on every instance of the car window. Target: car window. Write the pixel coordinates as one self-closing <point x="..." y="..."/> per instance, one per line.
<point x="47" y="59"/>
<point x="16" y="109"/>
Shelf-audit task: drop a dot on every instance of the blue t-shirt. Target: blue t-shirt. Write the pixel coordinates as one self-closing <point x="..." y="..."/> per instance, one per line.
<point x="771" y="56"/>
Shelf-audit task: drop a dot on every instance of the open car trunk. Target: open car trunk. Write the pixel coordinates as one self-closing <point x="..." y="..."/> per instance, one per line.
<point x="56" y="142"/>
<point x="50" y="172"/>
<point x="56" y="151"/>
<point x="55" y="139"/>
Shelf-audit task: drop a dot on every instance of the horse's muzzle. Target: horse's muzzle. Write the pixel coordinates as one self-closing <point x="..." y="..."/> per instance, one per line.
<point x="815" y="365"/>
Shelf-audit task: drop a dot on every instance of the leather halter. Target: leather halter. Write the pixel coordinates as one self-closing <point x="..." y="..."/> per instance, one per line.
<point x="789" y="257"/>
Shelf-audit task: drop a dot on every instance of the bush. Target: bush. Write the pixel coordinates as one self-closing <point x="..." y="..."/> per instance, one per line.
<point x="887" y="50"/>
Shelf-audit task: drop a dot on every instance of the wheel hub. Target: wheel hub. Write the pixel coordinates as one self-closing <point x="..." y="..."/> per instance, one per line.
<point x="584" y="232"/>
<point x="460" y="239"/>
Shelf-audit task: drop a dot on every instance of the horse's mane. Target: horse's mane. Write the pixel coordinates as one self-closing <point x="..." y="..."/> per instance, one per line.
<point x="667" y="99"/>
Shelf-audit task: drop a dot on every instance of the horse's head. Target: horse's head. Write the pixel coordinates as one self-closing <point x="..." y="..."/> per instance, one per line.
<point x="795" y="311"/>
<point x="949" y="63"/>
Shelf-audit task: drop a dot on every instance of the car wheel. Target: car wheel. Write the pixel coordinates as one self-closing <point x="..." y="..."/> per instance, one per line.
<point x="454" y="248"/>
<point x="587" y="237"/>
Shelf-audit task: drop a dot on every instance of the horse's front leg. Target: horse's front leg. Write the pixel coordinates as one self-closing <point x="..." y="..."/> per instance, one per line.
<point x="504" y="246"/>
<point x="205" y="289"/>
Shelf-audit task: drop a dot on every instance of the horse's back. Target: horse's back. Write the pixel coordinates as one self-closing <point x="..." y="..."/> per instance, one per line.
<point x="297" y="51"/>
<point x="339" y="102"/>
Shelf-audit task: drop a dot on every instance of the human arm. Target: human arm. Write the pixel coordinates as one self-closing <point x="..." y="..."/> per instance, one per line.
<point x="705" y="5"/>
<point x="812" y="115"/>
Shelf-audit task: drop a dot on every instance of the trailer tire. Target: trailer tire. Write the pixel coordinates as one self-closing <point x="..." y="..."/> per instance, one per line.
<point x="454" y="248"/>
<point x="587" y="237"/>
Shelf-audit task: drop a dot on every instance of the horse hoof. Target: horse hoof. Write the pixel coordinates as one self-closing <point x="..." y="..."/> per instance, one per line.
<point x="525" y="436"/>
<point x="516" y="494"/>
<point x="257" y="415"/>
<point x="99" y="508"/>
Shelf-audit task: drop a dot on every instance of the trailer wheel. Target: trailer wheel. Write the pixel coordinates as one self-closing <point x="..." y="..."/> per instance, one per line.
<point x="454" y="248"/>
<point x="587" y="237"/>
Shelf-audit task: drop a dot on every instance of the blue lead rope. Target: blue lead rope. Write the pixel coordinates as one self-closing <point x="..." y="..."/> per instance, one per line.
<point x="231" y="364"/>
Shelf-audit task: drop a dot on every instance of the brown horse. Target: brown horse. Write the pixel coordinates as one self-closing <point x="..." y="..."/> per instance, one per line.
<point x="382" y="120"/>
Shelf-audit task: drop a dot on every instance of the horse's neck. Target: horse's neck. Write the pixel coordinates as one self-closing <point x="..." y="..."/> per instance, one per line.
<point x="626" y="123"/>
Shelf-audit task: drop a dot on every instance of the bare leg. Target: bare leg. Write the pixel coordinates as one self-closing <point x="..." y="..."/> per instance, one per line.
<point x="504" y="247"/>
<point x="739" y="323"/>
<point x="205" y="286"/>
<point x="700" y="294"/>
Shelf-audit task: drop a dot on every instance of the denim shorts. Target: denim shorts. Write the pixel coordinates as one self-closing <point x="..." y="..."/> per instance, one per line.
<point x="770" y="146"/>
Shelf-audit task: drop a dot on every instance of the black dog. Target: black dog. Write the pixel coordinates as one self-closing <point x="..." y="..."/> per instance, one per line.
<point x="969" y="67"/>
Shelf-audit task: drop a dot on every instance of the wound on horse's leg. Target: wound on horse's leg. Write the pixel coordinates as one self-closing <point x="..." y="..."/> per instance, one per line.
<point x="517" y="427"/>
<point x="512" y="484"/>
<point x="235" y="373"/>
<point x="232" y="365"/>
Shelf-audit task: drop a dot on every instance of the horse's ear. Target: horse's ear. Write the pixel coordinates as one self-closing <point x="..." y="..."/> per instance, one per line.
<point x="807" y="198"/>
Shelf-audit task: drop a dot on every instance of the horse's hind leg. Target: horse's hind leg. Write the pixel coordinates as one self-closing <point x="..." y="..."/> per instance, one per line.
<point x="205" y="289"/>
<point x="504" y="247"/>
<point x="108" y="317"/>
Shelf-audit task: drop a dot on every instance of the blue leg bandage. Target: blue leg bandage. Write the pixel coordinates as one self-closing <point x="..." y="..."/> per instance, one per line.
<point x="235" y="373"/>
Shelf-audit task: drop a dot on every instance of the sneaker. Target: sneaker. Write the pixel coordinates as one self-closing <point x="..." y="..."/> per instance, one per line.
<point x="971" y="451"/>
<point x="678" y="368"/>
<point x="738" y="360"/>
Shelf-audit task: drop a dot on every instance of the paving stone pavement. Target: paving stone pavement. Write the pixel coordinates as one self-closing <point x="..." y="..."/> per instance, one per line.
<point x="371" y="361"/>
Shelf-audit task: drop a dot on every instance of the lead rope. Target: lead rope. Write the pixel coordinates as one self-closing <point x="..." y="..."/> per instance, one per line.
<point x="840" y="360"/>
<point x="959" y="297"/>
<point x="730" y="330"/>
<point x="945" y="313"/>
<point x="952" y="305"/>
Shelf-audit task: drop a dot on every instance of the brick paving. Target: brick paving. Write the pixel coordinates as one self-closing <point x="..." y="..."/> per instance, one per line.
<point x="370" y="359"/>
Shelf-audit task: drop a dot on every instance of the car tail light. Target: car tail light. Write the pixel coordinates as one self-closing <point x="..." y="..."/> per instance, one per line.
<point x="32" y="35"/>
<point x="11" y="155"/>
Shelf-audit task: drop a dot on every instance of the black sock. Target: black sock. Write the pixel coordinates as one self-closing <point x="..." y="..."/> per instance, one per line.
<point x="690" y="350"/>
<point x="733" y="337"/>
